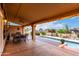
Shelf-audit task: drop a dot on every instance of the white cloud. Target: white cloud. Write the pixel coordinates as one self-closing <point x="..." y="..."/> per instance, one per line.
<point x="43" y="26"/>
<point x="54" y="25"/>
<point x="58" y="26"/>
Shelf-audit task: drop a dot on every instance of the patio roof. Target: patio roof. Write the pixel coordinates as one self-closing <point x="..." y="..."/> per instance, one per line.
<point x="27" y="14"/>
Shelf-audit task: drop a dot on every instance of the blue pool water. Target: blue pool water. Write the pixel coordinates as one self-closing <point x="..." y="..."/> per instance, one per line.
<point x="70" y="44"/>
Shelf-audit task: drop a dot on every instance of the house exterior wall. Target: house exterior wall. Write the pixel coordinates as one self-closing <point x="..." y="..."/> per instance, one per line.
<point x="1" y="32"/>
<point x="1" y="37"/>
<point x="13" y="29"/>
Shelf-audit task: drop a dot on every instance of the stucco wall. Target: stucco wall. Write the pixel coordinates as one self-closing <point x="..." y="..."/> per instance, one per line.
<point x="1" y="37"/>
<point x="2" y="41"/>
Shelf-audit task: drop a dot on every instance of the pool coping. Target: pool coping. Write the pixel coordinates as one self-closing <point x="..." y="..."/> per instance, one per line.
<point x="58" y="38"/>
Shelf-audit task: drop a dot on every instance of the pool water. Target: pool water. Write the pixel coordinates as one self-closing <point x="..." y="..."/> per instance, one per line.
<point x="70" y="44"/>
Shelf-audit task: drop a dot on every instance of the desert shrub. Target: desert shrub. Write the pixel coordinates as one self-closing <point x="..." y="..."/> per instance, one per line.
<point x="43" y="33"/>
<point x="61" y="31"/>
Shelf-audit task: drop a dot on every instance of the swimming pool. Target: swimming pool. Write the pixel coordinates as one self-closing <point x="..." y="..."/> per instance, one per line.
<point x="70" y="44"/>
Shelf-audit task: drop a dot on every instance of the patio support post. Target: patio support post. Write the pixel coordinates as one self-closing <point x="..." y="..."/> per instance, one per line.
<point x="33" y="32"/>
<point x="22" y="29"/>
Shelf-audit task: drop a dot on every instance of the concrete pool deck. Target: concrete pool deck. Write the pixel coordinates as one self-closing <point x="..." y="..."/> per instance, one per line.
<point x="75" y="41"/>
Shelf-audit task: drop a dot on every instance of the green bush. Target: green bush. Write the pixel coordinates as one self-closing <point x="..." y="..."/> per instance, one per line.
<point x="43" y="33"/>
<point x="61" y="31"/>
<point x="62" y="41"/>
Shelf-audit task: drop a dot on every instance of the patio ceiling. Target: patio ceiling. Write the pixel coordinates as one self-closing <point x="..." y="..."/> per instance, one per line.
<point x="26" y="14"/>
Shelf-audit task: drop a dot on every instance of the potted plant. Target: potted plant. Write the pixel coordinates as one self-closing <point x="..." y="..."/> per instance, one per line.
<point x="62" y="41"/>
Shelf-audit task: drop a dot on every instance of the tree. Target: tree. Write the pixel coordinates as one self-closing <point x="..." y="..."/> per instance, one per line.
<point x="40" y="29"/>
<point x="67" y="29"/>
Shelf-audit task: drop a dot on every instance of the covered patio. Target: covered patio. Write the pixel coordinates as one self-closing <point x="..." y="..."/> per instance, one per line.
<point x="31" y="15"/>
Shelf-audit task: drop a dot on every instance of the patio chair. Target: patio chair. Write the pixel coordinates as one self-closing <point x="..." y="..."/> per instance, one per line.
<point x="17" y="38"/>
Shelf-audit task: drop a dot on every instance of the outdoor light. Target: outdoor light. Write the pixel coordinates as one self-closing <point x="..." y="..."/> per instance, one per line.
<point x="5" y="21"/>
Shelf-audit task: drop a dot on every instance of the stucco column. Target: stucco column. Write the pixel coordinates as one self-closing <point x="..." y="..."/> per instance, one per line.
<point x="22" y="29"/>
<point x="33" y="32"/>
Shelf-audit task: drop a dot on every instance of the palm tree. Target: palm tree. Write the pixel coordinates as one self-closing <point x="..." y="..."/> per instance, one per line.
<point x="67" y="29"/>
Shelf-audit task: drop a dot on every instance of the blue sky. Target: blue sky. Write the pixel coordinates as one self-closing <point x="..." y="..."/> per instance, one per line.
<point x="59" y="24"/>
